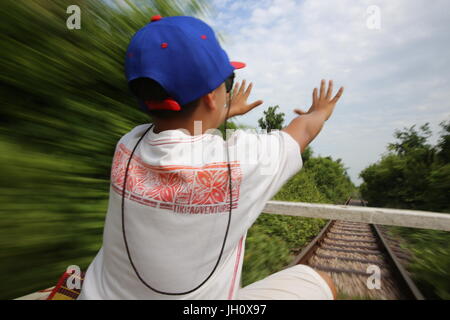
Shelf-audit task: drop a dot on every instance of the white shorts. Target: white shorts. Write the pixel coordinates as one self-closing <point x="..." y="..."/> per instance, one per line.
<point x="299" y="282"/>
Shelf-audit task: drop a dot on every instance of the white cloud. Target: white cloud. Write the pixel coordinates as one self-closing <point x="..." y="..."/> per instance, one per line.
<point x="394" y="77"/>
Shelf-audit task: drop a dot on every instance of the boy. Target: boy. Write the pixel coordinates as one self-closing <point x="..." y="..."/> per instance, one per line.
<point x="179" y="209"/>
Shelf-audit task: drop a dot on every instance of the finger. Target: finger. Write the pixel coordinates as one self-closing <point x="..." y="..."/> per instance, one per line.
<point x="241" y="89"/>
<point x="235" y="89"/>
<point x="315" y="96"/>
<point x="255" y="104"/>
<point x="322" y="89"/>
<point x="338" y="95"/>
<point x="330" y="89"/>
<point x="299" y="111"/>
<point x="249" y="89"/>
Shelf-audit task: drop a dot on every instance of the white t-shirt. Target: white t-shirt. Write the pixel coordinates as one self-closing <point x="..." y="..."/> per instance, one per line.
<point x="177" y="209"/>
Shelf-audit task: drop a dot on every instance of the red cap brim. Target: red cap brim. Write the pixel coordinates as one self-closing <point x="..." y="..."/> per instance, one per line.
<point x="237" y="65"/>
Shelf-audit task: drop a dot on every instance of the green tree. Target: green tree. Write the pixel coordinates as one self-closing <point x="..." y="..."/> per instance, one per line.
<point x="331" y="178"/>
<point x="271" y="120"/>
<point x="413" y="174"/>
<point x="438" y="180"/>
<point x="443" y="146"/>
<point x="416" y="175"/>
<point x="383" y="183"/>
<point x="307" y="154"/>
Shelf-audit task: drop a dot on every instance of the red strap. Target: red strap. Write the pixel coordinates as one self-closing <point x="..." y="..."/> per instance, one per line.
<point x="167" y="104"/>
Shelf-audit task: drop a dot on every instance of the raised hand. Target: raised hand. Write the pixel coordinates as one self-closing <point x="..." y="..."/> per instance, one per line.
<point x="323" y="103"/>
<point x="239" y="96"/>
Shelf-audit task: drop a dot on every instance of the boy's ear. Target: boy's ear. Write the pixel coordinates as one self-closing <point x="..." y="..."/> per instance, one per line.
<point x="209" y="100"/>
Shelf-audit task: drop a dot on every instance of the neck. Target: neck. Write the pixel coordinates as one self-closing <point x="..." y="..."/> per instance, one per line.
<point x="194" y="127"/>
<point x="197" y="123"/>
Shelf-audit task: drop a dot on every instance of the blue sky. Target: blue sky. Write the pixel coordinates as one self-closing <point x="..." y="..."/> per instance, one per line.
<point x="394" y="77"/>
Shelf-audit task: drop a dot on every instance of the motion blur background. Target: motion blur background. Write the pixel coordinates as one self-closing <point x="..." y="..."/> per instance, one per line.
<point x="65" y="104"/>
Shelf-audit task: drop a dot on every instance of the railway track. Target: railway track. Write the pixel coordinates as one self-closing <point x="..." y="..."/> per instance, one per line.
<point x="363" y="262"/>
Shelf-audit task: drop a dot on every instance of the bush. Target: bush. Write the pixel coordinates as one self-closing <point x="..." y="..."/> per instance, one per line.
<point x="431" y="263"/>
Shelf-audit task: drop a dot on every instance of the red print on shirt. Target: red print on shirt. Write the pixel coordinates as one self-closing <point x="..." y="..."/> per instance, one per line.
<point x="182" y="189"/>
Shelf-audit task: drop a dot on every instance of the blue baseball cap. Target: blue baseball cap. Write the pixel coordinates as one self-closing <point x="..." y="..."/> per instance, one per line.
<point x="182" y="54"/>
